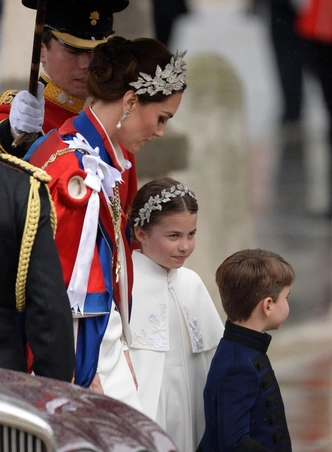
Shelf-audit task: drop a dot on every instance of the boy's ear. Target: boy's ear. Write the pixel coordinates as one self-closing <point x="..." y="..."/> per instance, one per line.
<point x="267" y="306"/>
<point x="140" y="235"/>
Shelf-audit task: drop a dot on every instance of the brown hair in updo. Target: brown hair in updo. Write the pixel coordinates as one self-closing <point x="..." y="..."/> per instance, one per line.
<point x="119" y="61"/>
<point x="178" y="204"/>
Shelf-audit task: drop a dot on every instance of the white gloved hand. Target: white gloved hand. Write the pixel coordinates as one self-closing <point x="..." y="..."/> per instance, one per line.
<point x="27" y="112"/>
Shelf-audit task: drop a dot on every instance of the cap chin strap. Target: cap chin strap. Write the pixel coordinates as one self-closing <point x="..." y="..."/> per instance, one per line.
<point x="78" y="44"/>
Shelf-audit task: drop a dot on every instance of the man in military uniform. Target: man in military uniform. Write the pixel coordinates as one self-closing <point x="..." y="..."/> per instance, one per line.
<point x="31" y="279"/>
<point x="72" y="29"/>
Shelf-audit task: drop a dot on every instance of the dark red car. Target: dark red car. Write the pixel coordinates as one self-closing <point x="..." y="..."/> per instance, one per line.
<point x="44" y="415"/>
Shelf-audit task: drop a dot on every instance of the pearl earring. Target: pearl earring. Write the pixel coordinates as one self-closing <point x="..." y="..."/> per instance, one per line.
<point x="124" y="116"/>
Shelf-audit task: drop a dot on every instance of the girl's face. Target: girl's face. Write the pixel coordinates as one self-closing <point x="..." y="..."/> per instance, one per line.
<point x="146" y="121"/>
<point x="170" y="242"/>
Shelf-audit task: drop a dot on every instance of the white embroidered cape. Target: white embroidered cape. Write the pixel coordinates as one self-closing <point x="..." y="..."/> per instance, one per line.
<point x="195" y="330"/>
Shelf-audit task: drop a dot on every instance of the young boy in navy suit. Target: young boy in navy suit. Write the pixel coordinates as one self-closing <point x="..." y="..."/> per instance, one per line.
<point x="244" y="411"/>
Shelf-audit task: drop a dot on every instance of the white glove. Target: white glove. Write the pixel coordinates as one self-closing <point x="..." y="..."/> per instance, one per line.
<point x="27" y="112"/>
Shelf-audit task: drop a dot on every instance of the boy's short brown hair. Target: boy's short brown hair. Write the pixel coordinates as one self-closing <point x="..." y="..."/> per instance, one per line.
<point x="247" y="277"/>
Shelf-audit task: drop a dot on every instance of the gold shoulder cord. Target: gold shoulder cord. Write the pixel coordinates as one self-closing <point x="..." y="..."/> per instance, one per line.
<point x="8" y="96"/>
<point x="31" y="224"/>
<point x="3" y="150"/>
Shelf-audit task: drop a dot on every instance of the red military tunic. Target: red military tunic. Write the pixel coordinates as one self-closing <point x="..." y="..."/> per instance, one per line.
<point x="314" y="20"/>
<point x="71" y="194"/>
<point x="58" y="108"/>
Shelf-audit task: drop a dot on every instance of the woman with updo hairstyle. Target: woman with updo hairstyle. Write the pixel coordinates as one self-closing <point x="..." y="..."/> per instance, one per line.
<point x="118" y="62"/>
<point x="135" y="88"/>
<point x="175" y="325"/>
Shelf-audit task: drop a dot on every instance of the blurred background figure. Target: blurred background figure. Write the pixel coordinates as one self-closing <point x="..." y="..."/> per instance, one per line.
<point x="287" y="51"/>
<point x="281" y="18"/>
<point x="300" y="32"/>
<point x="165" y="13"/>
<point x="314" y="28"/>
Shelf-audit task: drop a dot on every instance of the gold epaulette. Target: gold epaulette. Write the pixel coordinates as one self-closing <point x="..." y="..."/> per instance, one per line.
<point x="58" y="97"/>
<point x="37" y="176"/>
<point x="22" y="165"/>
<point x="53" y="94"/>
<point x="8" y="96"/>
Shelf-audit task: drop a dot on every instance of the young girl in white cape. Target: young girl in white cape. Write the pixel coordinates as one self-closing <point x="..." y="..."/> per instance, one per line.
<point x="175" y="325"/>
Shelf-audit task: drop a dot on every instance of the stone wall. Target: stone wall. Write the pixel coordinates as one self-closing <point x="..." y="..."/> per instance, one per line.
<point x="211" y="115"/>
<point x="17" y="31"/>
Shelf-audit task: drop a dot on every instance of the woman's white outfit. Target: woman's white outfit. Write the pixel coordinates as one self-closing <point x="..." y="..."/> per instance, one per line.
<point x="114" y="372"/>
<point x="175" y="331"/>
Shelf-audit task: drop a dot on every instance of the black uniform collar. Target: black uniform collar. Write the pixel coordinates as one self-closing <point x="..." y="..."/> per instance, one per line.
<point x="250" y="338"/>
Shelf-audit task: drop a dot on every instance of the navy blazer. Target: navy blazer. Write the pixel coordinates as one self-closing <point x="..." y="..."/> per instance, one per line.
<point x="243" y="406"/>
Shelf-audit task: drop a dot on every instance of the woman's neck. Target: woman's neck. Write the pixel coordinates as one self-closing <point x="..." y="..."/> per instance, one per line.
<point x="108" y="115"/>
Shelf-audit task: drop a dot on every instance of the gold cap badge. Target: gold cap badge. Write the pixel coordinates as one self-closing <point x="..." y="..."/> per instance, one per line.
<point x="94" y="16"/>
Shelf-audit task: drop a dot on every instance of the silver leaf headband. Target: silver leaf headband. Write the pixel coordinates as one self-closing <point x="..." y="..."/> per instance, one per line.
<point x="155" y="202"/>
<point x="172" y="78"/>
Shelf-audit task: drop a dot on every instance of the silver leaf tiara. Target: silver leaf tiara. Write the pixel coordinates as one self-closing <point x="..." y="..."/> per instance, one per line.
<point x="172" y="78"/>
<point x="155" y="202"/>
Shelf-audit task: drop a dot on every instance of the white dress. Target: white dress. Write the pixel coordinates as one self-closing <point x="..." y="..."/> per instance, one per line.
<point x="114" y="372"/>
<point x="175" y="331"/>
